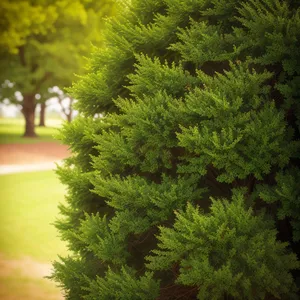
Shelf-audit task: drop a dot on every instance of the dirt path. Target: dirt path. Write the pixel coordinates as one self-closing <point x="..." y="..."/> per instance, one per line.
<point x="16" y="158"/>
<point x="12" y="169"/>
<point x="24" y="154"/>
<point x="25" y="267"/>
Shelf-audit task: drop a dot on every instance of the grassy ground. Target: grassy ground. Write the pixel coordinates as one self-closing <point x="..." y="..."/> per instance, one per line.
<point x="11" y="131"/>
<point x="28" y="206"/>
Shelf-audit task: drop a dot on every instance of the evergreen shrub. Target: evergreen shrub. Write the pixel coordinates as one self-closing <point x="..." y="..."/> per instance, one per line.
<point x="184" y="177"/>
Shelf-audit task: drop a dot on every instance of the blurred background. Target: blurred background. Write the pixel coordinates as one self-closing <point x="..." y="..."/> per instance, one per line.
<point x="44" y="47"/>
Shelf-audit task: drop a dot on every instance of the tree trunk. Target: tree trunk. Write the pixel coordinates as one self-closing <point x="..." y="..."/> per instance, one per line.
<point x="69" y="116"/>
<point x="42" y="115"/>
<point x="68" y="112"/>
<point x="28" y="111"/>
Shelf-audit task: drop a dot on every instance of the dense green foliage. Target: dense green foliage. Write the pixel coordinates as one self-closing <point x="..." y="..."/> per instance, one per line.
<point x="46" y="47"/>
<point x="184" y="178"/>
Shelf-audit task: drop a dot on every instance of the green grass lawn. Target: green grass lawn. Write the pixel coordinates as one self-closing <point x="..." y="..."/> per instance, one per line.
<point x="11" y="131"/>
<point x="28" y="206"/>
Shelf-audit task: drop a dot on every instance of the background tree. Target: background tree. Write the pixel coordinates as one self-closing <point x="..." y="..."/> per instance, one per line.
<point x="187" y="187"/>
<point x="42" y="121"/>
<point x="47" y="45"/>
<point x="41" y="100"/>
<point x="65" y="101"/>
<point x="67" y="105"/>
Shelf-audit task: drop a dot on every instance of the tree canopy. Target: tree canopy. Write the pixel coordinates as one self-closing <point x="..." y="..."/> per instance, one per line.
<point x="44" y="43"/>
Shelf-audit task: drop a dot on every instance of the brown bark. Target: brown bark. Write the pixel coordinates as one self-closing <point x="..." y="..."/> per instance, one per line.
<point x="22" y="56"/>
<point x="28" y="111"/>
<point x="42" y="115"/>
<point x="68" y="114"/>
